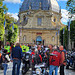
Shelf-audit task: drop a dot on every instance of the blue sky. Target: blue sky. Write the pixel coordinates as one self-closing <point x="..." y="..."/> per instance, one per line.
<point x="14" y="5"/>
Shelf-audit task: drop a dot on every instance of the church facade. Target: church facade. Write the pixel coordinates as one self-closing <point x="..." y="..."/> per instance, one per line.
<point x="39" y="22"/>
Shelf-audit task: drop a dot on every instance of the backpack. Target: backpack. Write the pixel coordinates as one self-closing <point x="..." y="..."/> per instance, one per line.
<point x="64" y="55"/>
<point x="5" y="59"/>
<point x="0" y="55"/>
<point x="0" y="58"/>
<point x="38" y="60"/>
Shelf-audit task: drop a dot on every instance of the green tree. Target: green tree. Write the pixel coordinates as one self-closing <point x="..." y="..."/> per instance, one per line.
<point x="72" y="34"/>
<point x="71" y="6"/>
<point x="12" y="35"/>
<point x="64" y="36"/>
<point x="72" y="30"/>
<point x="2" y="18"/>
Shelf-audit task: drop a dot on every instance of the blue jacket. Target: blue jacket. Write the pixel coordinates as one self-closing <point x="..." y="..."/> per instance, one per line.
<point x="17" y="52"/>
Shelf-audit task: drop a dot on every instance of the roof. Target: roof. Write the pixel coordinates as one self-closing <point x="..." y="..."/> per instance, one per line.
<point x="37" y="4"/>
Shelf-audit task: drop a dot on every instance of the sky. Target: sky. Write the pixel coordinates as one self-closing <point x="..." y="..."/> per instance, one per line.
<point x="14" y="5"/>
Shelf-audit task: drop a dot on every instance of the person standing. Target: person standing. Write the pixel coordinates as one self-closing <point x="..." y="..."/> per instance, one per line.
<point x="5" y="60"/>
<point x="7" y="47"/>
<point x="23" y="49"/>
<point x="63" y="61"/>
<point x="54" y="61"/>
<point x="16" y="56"/>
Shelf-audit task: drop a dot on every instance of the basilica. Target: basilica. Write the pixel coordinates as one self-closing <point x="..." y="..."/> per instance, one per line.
<point x="39" y="22"/>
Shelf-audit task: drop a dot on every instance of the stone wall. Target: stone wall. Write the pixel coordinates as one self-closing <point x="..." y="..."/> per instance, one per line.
<point x="47" y="23"/>
<point x="46" y="35"/>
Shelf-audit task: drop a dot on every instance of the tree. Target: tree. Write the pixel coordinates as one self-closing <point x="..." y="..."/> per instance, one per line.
<point x="72" y="34"/>
<point x="2" y="17"/>
<point x="12" y="35"/>
<point x="64" y="36"/>
<point x="71" y="6"/>
<point x="72" y="30"/>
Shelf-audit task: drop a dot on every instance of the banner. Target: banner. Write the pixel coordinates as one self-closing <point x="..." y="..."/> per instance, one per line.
<point x="63" y="30"/>
<point x="4" y="23"/>
<point x="69" y="26"/>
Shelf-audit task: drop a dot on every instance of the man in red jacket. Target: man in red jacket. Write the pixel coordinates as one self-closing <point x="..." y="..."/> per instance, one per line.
<point x="54" y="61"/>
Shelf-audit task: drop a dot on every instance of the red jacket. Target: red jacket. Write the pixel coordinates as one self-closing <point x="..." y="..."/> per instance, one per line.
<point x="32" y="53"/>
<point x="56" y="59"/>
<point x="40" y="57"/>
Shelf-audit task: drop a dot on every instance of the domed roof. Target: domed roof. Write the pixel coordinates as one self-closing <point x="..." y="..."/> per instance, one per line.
<point x="35" y="5"/>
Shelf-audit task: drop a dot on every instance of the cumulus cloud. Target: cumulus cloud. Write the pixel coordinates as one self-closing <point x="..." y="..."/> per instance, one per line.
<point x="13" y="1"/>
<point x="65" y="16"/>
<point x="15" y="15"/>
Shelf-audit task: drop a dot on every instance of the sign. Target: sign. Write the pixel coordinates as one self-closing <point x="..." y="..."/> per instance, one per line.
<point x="39" y="33"/>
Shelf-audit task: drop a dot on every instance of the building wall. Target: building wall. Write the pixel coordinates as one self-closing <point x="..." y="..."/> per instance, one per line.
<point x="47" y="22"/>
<point x="47" y="36"/>
<point x="47" y="19"/>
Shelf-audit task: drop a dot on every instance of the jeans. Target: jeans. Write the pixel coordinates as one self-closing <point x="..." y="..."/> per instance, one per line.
<point x="53" y="68"/>
<point x="16" y="63"/>
<point x="5" y="67"/>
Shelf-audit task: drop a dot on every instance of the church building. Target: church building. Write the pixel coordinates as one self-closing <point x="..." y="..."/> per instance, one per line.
<point x="39" y="22"/>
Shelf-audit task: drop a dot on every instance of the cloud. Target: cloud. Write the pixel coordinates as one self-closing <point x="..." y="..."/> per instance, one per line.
<point x="62" y="0"/>
<point x="15" y="15"/>
<point x="65" y="16"/>
<point x="13" y="1"/>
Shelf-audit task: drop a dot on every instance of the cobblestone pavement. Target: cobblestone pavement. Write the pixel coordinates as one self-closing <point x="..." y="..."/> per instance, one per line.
<point x="9" y="71"/>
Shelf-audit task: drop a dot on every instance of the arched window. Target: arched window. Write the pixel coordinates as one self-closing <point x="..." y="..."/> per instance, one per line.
<point x="54" y="19"/>
<point x="53" y="38"/>
<point x="24" y="18"/>
<point x="24" y="38"/>
<point x="38" y="38"/>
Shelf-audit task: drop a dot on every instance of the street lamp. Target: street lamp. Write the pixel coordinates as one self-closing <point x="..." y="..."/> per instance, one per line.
<point x="69" y="44"/>
<point x="63" y="36"/>
<point x="69" y="41"/>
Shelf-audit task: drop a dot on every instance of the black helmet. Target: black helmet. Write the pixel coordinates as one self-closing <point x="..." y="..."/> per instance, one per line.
<point x="4" y="51"/>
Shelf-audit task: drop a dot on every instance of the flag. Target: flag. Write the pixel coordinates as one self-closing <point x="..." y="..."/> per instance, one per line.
<point x="4" y="23"/>
<point x="56" y="33"/>
<point x="13" y="27"/>
<point x="69" y="26"/>
<point x="20" y="32"/>
<point x="63" y="30"/>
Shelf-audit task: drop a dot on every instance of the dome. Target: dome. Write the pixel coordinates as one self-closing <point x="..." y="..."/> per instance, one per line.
<point x="54" y="5"/>
<point x="35" y="5"/>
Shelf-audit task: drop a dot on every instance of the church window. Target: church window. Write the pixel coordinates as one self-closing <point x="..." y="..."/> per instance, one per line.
<point x="54" y="20"/>
<point x="39" y="20"/>
<point x="24" y="38"/>
<point x="53" y="38"/>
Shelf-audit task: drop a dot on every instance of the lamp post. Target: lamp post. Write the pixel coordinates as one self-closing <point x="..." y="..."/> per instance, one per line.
<point x="57" y="38"/>
<point x="69" y="44"/>
<point x="63" y="36"/>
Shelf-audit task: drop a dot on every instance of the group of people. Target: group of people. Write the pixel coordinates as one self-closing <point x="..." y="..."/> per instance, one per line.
<point x="55" y="57"/>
